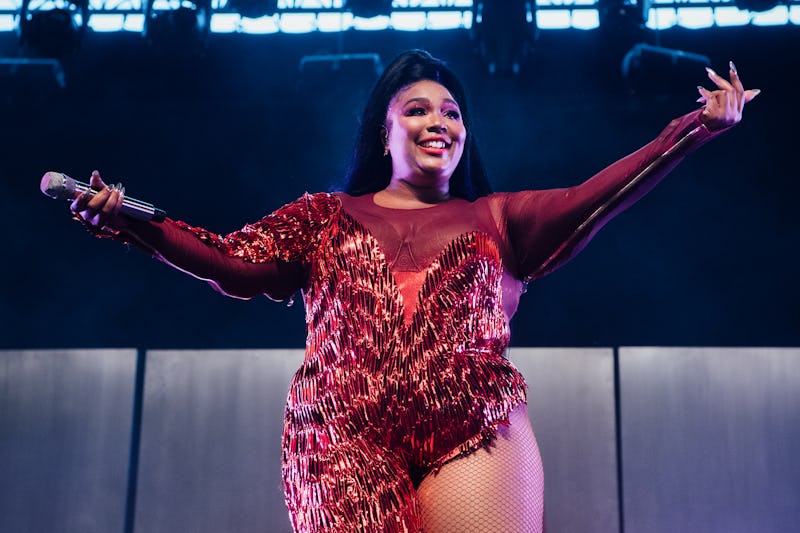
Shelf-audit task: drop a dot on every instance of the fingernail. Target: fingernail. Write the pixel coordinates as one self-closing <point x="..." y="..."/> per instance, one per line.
<point x="701" y="88"/>
<point x="711" y="71"/>
<point x="733" y="67"/>
<point x="701" y="100"/>
<point x="756" y="92"/>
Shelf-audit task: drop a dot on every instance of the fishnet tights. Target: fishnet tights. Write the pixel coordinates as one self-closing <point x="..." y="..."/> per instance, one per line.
<point x="496" y="491"/>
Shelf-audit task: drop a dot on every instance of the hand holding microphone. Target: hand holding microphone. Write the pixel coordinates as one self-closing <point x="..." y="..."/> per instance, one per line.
<point x="96" y="203"/>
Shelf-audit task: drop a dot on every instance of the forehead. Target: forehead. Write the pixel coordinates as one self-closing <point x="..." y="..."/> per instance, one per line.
<point x="426" y="89"/>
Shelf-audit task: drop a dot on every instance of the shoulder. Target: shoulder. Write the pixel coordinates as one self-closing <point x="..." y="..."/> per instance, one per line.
<point x="321" y="198"/>
<point x="313" y="205"/>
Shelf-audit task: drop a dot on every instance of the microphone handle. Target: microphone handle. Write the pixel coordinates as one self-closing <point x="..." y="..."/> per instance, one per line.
<point x="62" y="187"/>
<point x="130" y="207"/>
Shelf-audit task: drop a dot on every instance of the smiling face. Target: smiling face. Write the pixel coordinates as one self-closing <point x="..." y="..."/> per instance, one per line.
<point x="425" y="135"/>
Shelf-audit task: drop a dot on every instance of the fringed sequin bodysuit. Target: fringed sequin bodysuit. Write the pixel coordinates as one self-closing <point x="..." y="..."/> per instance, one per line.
<point x="407" y="314"/>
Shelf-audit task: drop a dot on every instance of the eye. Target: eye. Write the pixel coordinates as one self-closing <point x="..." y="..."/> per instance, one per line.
<point x="415" y="112"/>
<point x="452" y="114"/>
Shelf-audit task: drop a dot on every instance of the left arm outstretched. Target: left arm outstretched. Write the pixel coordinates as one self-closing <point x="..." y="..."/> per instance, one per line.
<point x="547" y="228"/>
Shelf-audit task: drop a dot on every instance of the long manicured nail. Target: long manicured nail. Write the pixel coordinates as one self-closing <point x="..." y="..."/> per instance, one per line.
<point x="733" y="67"/>
<point x="711" y="71"/>
<point x="701" y="100"/>
<point x="756" y="92"/>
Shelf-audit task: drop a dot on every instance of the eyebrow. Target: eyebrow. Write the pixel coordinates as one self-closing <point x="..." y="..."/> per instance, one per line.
<point x="427" y="100"/>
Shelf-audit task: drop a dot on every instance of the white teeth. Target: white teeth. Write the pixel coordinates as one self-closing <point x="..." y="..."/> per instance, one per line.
<point x="434" y="144"/>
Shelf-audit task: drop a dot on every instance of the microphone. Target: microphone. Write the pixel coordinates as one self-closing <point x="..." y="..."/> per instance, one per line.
<point x="62" y="187"/>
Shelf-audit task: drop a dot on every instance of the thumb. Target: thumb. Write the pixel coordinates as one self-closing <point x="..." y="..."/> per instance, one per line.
<point x="750" y="94"/>
<point x="96" y="182"/>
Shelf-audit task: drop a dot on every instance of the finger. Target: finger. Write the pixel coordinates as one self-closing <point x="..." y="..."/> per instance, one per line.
<point x="750" y="94"/>
<point x="735" y="80"/>
<point x="738" y="89"/>
<point x="99" y="199"/>
<point x="96" y="182"/>
<point x="120" y="199"/>
<point x="100" y="207"/>
<point x="109" y="208"/>
<point x="705" y="94"/>
<point x="80" y="202"/>
<point x="92" y="210"/>
<point x="708" y="98"/>
<point x="720" y="82"/>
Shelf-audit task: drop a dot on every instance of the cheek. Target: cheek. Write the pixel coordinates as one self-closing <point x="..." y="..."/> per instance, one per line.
<point x="462" y="132"/>
<point x="462" y="139"/>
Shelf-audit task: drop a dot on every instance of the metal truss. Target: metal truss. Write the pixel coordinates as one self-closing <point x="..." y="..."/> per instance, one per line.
<point x="427" y="8"/>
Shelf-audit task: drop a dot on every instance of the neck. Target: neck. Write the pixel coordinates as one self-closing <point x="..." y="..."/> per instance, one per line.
<point x="405" y="191"/>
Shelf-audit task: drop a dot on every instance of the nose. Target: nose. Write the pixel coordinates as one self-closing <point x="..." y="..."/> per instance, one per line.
<point x="437" y="124"/>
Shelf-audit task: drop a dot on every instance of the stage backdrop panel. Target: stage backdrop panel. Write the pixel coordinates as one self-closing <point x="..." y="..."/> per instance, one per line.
<point x="211" y="441"/>
<point x="571" y="404"/>
<point x="710" y="439"/>
<point x="65" y="429"/>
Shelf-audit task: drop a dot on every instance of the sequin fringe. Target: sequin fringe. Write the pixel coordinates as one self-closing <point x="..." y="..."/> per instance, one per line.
<point x="379" y="403"/>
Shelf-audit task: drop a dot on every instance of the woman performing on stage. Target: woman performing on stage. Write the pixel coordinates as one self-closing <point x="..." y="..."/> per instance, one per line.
<point x="405" y="415"/>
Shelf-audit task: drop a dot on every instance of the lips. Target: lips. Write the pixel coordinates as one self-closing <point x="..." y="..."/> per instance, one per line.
<point x="435" y="146"/>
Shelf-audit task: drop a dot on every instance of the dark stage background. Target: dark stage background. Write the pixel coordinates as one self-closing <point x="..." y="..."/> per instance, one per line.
<point x="709" y="258"/>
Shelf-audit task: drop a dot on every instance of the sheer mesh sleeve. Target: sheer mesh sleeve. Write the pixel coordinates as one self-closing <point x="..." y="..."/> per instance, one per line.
<point x="547" y="228"/>
<point x="270" y="256"/>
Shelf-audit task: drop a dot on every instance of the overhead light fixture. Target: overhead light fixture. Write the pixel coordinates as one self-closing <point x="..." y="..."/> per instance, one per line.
<point x="184" y="29"/>
<point x="53" y="32"/>
<point x="504" y="32"/>
<point x="658" y="72"/>
<point x="254" y="9"/>
<point x="622" y="19"/>
<point x="756" y="5"/>
<point x="368" y="8"/>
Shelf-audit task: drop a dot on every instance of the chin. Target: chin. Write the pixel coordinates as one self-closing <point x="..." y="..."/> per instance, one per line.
<point x="431" y="177"/>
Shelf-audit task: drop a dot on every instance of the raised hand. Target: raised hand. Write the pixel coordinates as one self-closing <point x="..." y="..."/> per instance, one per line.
<point x="723" y="107"/>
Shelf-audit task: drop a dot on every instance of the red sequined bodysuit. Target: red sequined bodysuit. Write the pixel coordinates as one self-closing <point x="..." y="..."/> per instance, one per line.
<point x="407" y="314"/>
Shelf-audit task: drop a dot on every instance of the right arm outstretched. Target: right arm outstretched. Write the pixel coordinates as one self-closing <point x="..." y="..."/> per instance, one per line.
<point x="268" y="257"/>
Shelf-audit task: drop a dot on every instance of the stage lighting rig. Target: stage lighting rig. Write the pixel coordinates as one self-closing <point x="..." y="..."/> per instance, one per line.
<point x="368" y="8"/>
<point x="182" y="29"/>
<point x="254" y="8"/>
<point x="757" y="5"/>
<point x="620" y="19"/>
<point x="504" y="32"/>
<point x="53" y="32"/>
<point x="657" y="72"/>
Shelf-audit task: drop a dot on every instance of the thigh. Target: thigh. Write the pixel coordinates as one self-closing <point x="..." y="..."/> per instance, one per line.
<point x="354" y="487"/>
<point x="489" y="491"/>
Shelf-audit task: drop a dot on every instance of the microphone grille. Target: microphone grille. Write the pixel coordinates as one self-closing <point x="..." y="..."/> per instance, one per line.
<point x="57" y="185"/>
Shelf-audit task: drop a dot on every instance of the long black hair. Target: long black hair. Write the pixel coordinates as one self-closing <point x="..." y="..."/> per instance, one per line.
<point x="370" y="171"/>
